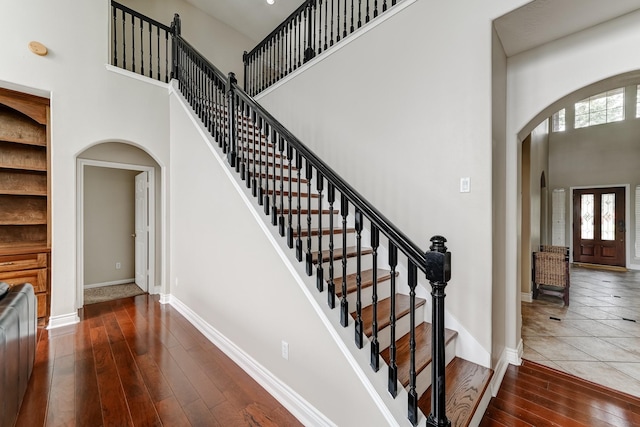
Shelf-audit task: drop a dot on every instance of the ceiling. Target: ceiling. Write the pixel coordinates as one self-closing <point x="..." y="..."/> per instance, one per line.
<point x="536" y="23"/>
<point x="253" y="18"/>
<point x="542" y="21"/>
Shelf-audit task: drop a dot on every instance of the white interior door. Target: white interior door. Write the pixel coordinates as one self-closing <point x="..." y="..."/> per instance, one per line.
<point x="142" y="230"/>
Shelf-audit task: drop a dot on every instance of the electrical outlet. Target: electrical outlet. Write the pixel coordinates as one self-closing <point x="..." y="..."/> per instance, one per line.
<point x="465" y="185"/>
<point x="118" y="266"/>
<point x="285" y="350"/>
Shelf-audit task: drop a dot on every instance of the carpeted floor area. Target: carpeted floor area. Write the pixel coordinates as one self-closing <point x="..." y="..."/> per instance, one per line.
<point x="108" y="293"/>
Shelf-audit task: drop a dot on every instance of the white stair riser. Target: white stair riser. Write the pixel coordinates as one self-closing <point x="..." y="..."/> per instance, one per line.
<point x="365" y="264"/>
<point x="402" y="328"/>
<point x="367" y="293"/>
<point x="423" y="379"/>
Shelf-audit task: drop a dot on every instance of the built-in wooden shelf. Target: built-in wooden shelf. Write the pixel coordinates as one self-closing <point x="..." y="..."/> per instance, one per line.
<point x="25" y="242"/>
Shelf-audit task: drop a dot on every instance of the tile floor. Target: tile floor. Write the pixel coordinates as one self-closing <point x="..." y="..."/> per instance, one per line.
<point x="593" y="338"/>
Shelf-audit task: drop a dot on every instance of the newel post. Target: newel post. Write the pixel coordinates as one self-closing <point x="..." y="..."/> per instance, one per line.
<point x="176" y="28"/>
<point x="438" y="269"/>
<point x="231" y="115"/>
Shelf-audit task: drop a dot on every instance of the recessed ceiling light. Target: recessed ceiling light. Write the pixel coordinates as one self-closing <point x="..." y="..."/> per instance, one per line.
<point x="271" y="1"/>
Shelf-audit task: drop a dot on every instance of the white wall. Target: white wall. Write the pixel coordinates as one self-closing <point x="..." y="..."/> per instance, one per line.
<point x="109" y="212"/>
<point x="225" y="269"/>
<point x="539" y="77"/>
<point x="88" y="105"/>
<point x="219" y="43"/>
<point x="403" y="112"/>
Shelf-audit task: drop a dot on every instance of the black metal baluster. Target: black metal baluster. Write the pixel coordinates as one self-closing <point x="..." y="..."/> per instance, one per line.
<point x="166" y="58"/>
<point x="254" y="184"/>
<point x="319" y="271"/>
<point x="124" y="40"/>
<point x="375" y="8"/>
<point x="393" y="2"/>
<point x="115" y="36"/>
<point x="393" y="367"/>
<point x="358" y="325"/>
<point x="413" y="395"/>
<point x="289" y="206"/>
<point x="359" y="13"/>
<point x="326" y="16"/>
<point x="299" y="213"/>
<point x="274" y="209"/>
<point x="331" y="292"/>
<point x="314" y="25"/>
<point x="384" y="5"/>
<point x="367" y="17"/>
<point x="242" y="136"/>
<point x="259" y="151"/>
<point x="133" y="43"/>
<point x="266" y="132"/>
<point x="142" y="46"/>
<point x="352" y="17"/>
<point x="375" y="345"/>
<point x="309" y="176"/>
<point x="151" y="49"/>
<point x="281" y="218"/>
<point x="344" y="33"/>
<point x="299" y="40"/>
<point x="344" y="304"/>
<point x="211" y="108"/>
<point x="247" y="123"/>
<point x="331" y="39"/>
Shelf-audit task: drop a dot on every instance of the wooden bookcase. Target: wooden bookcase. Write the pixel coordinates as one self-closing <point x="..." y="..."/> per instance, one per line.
<point x="25" y="213"/>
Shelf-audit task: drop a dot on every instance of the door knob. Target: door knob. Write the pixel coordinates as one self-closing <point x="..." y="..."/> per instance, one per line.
<point x="133" y="235"/>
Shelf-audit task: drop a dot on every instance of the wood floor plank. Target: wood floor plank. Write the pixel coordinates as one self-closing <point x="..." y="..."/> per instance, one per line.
<point x="33" y="411"/>
<point x="158" y="387"/>
<point x="62" y="398"/>
<point x="141" y="407"/>
<point x="112" y="397"/>
<point x="199" y="415"/>
<point x="171" y="413"/>
<point x="88" y="409"/>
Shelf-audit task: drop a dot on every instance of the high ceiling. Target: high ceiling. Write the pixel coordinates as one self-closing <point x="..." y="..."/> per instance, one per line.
<point x="531" y="25"/>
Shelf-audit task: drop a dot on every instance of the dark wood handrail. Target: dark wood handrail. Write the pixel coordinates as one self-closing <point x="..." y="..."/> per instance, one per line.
<point x="140" y="16"/>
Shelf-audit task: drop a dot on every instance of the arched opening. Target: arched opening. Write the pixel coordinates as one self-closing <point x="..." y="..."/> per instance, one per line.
<point x="576" y="159"/>
<point x="119" y="232"/>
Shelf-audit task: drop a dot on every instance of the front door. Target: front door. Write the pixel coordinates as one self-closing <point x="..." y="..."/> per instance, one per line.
<point x="141" y="230"/>
<point x="599" y="226"/>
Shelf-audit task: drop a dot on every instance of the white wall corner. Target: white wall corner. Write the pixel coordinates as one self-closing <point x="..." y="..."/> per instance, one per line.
<point x="526" y="297"/>
<point x="296" y="404"/>
<point x="467" y="347"/>
<point x="63" y="320"/>
<point x="509" y="356"/>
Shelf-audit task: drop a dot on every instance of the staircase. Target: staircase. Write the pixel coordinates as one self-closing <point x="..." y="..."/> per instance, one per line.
<point x="356" y="275"/>
<point x="366" y="267"/>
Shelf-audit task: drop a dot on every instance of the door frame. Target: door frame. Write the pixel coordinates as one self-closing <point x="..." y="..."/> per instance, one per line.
<point x="151" y="255"/>
<point x="627" y="217"/>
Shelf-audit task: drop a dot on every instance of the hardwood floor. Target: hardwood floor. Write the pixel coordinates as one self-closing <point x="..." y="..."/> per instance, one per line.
<point x="134" y="362"/>
<point x="535" y="395"/>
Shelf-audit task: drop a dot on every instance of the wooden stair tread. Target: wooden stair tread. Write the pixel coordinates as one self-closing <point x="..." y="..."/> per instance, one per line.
<point x="286" y="177"/>
<point x="366" y="280"/>
<point x="466" y="383"/>
<point x="384" y="312"/>
<point x="325" y="231"/>
<point x="293" y="194"/>
<point x="423" y="351"/>
<point x="285" y="211"/>
<point x="338" y="253"/>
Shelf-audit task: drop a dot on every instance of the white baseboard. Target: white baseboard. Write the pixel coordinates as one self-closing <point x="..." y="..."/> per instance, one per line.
<point x="526" y="297"/>
<point x="165" y="298"/>
<point x="115" y="282"/>
<point x="63" y="320"/>
<point x="509" y="356"/>
<point x="296" y="404"/>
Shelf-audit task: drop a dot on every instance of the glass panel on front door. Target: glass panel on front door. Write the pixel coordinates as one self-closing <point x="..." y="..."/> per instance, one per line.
<point x="587" y="216"/>
<point x="608" y="218"/>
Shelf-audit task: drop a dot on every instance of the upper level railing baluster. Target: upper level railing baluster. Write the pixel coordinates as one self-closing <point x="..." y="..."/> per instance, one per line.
<point x="313" y="28"/>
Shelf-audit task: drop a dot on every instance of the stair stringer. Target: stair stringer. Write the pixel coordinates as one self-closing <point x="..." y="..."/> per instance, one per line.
<point x="393" y="410"/>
